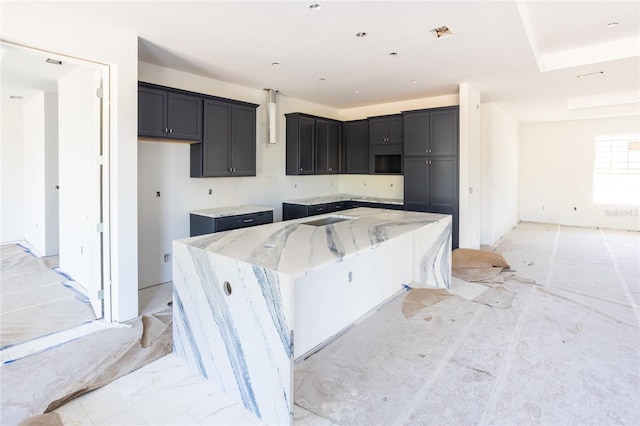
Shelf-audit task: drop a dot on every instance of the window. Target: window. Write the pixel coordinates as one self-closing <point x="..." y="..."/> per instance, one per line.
<point x="616" y="176"/>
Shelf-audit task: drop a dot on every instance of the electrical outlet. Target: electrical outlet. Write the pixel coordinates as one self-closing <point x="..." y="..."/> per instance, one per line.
<point x="210" y="191"/>
<point x="157" y="193"/>
<point x="350" y="277"/>
<point x="167" y="257"/>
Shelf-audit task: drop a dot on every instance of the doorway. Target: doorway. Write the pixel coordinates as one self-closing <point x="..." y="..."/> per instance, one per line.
<point x="54" y="194"/>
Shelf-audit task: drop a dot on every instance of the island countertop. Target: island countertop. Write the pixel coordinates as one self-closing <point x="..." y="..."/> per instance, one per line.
<point x="294" y="247"/>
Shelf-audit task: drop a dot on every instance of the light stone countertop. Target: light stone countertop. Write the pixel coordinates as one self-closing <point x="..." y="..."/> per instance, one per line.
<point x="231" y="211"/>
<point x="342" y="197"/>
<point x="294" y="248"/>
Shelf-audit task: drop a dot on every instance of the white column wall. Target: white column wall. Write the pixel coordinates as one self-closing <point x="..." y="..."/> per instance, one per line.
<point x="470" y="167"/>
<point x="11" y="173"/>
<point x="500" y="142"/>
<point x="34" y="172"/>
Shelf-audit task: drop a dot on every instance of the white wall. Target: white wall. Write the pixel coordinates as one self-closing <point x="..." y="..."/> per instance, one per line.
<point x="11" y="173"/>
<point x="500" y="142"/>
<point x="51" y="193"/>
<point x="40" y="168"/>
<point x="556" y="174"/>
<point x="20" y="24"/>
<point x="470" y="167"/>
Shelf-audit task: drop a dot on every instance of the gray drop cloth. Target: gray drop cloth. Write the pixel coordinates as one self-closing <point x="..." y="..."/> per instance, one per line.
<point x="34" y="300"/>
<point x="44" y="381"/>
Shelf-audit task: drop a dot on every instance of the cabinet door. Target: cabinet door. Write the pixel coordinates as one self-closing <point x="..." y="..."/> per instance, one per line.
<point x="395" y="130"/>
<point x="152" y="112"/>
<point x="184" y="117"/>
<point x="307" y="146"/>
<point x="416" y="133"/>
<point x="216" y="138"/>
<point x="322" y="146"/>
<point x="378" y="131"/>
<point x="443" y="131"/>
<point x="416" y="183"/>
<point x="243" y="141"/>
<point x="443" y="190"/>
<point x="356" y="147"/>
<point x="333" y="147"/>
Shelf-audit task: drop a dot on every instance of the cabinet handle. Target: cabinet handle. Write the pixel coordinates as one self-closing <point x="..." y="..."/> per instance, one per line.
<point x="170" y="130"/>
<point x="166" y="130"/>
<point x="248" y="220"/>
<point x="320" y="209"/>
<point x="300" y="168"/>
<point x="429" y="151"/>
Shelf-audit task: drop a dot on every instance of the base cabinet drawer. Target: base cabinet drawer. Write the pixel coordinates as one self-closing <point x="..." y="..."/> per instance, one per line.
<point x="200" y="225"/>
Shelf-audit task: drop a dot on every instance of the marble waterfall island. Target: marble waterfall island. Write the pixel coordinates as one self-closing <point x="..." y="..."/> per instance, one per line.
<point x="248" y="302"/>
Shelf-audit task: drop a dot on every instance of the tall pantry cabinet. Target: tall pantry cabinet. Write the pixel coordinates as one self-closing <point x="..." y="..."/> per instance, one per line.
<point x="431" y="157"/>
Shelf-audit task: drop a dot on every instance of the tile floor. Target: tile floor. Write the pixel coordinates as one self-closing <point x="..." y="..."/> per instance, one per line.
<point x="593" y="273"/>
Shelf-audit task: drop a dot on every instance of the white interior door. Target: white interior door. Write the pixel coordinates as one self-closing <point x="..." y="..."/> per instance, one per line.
<point x="80" y="133"/>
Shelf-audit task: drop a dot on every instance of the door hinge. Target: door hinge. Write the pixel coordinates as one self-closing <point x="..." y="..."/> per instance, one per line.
<point x="100" y="227"/>
<point x="100" y="294"/>
<point x="99" y="92"/>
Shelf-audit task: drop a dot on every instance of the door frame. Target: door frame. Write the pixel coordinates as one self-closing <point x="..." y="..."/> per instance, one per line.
<point x="105" y="175"/>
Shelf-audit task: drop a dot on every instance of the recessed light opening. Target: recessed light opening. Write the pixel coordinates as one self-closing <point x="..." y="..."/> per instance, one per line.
<point x="53" y="61"/>
<point x="393" y="53"/>
<point x="275" y="64"/>
<point x="612" y="24"/>
<point x="315" y="6"/>
<point x="15" y="97"/>
<point x="441" y="32"/>
<point x="361" y="34"/>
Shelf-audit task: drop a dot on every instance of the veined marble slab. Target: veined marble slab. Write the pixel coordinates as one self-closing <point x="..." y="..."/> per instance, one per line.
<point x="248" y="302"/>
<point x="342" y="197"/>
<point x="231" y="211"/>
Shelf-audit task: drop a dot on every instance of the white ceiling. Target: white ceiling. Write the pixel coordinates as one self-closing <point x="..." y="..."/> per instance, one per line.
<point x="500" y="47"/>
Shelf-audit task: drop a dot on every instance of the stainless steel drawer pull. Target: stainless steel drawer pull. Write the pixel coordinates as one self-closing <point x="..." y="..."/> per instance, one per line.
<point x="248" y="220"/>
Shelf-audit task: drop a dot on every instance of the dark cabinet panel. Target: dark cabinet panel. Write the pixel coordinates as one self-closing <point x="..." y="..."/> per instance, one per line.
<point x="167" y="114"/>
<point x="217" y="138"/>
<point x="228" y="145"/>
<point x="243" y="140"/>
<point x="356" y="146"/>
<point x="313" y="145"/>
<point x="184" y="116"/>
<point x="152" y="112"/>
<point x="431" y="163"/>
<point x="431" y="132"/>
<point x="416" y="133"/>
<point x="327" y="146"/>
<point x="300" y="144"/>
<point x="386" y="129"/>
<point x="443" y="131"/>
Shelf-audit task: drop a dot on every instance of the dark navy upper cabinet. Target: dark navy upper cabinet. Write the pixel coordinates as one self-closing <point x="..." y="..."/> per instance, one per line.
<point x="314" y="145"/>
<point x="328" y="146"/>
<point x="228" y="145"/>
<point x="431" y="132"/>
<point x="356" y="146"/>
<point x="386" y="129"/>
<point x="164" y="113"/>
